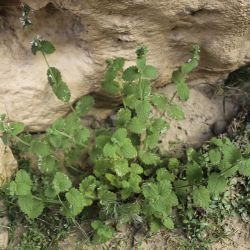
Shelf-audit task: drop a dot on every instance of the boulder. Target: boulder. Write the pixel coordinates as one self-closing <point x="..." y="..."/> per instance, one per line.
<point x="8" y="164"/>
<point x="86" y="33"/>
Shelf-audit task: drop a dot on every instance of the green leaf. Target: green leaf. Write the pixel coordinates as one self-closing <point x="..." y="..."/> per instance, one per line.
<point x="216" y="183"/>
<point x="163" y="174"/>
<point x="84" y="105"/>
<point x="121" y="167"/>
<point x="118" y="63"/>
<point x="142" y="109"/>
<point x="111" y="87"/>
<point x="193" y="172"/>
<point x="178" y="77"/>
<point x="159" y="125"/>
<point x="136" y="168"/>
<point x="128" y="150"/>
<point x="17" y="128"/>
<point x="48" y="165"/>
<point x="168" y="223"/>
<point x="40" y="148"/>
<point x="154" y="226"/>
<point x="105" y="196"/>
<point x="76" y="202"/>
<point x="22" y="184"/>
<point x="30" y="206"/>
<point x="59" y="87"/>
<point x="189" y="66"/>
<point x="201" y="197"/>
<point x="119" y="135"/>
<point x="160" y="101"/>
<point x="131" y="74"/>
<point x="61" y="182"/>
<point x="123" y="117"/>
<point x="44" y="46"/>
<point x="149" y="158"/>
<point x="150" y="72"/>
<point x="175" y="112"/>
<point x="244" y="167"/>
<point x="183" y="91"/>
<point x="137" y="125"/>
<point x="103" y="232"/>
<point x="141" y="63"/>
<point x="110" y="150"/>
<point x="214" y="156"/>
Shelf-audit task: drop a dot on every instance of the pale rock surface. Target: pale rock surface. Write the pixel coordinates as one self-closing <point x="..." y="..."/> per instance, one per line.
<point x="8" y="163"/>
<point x="202" y="110"/>
<point x="86" y="33"/>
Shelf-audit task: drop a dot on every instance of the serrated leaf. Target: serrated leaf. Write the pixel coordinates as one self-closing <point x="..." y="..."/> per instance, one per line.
<point x="136" y="168"/>
<point x="16" y="128"/>
<point x="84" y="105"/>
<point x="160" y="101"/>
<point x="127" y="212"/>
<point x="76" y="202"/>
<point x="47" y="47"/>
<point x="193" y="172"/>
<point x="244" y="167"/>
<point x="48" y="165"/>
<point x="163" y="174"/>
<point x="189" y="66"/>
<point x="201" y="197"/>
<point x="137" y="125"/>
<point x="103" y="232"/>
<point x="40" y="148"/>
<point x="142" y="109"/>
<point x="214" y="156"/>
<point x="123" y="117"/>
<point x="141" y="63"/>
<point x="216" y="183"/>
<point x="105" y="196"/>
<point x="121" y="167"/>
<point x="149" y="158"/>
<point x="168" y="223"/>
<point x="44" y="46"/>
<point x="22" y="184"/>
<point x="81" y="136"/>
<point x="128" y="150"/>
<point x="154" y="226"/>
<point x="30" y="206"/>
<point x="182" y="91"/>
<point x="119" y="135"/>
<point x="159" y="125"/>
<point x="118" y="63"/>
<point x="131" y="74"/>
<point x="110" y="150"/>
<point x="111" y="87"/>
<point x="61" y="182"/>
<point x="59" y="87"/>
<point x="150" y="72"/>
<point x="175" y="112"/>
<point x="178" y="77"/>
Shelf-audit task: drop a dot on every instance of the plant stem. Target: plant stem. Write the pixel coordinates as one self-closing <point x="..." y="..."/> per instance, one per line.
<point x="22" y="141"/>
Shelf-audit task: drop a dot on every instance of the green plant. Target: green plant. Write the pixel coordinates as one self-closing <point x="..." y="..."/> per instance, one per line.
<point x="122" y="158"/>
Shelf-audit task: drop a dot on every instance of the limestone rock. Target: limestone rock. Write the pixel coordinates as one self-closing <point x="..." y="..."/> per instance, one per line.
<point x="86" y="33"/>
<point x="202" y="110"/>
<point x="8" y="164"/>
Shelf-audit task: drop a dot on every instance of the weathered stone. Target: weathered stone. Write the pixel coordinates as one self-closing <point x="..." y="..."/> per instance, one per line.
<point x="86" y="33"/>
<point x="202" y="110"/>
<point x="8" y="163"/>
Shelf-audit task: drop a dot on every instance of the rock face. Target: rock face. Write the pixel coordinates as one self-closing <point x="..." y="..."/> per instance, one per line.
<point x="8" y="164"/>
<point x="86" y="33"/>
<point x="202" y="111"/>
